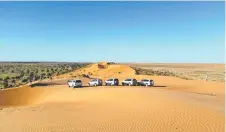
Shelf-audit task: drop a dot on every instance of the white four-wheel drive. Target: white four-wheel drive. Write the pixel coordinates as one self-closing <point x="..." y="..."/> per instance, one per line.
<point x="95" y="82"/>
<point x="130" y="82"/>
<point x="74" y="83"/>
<point x="112" y="82"/>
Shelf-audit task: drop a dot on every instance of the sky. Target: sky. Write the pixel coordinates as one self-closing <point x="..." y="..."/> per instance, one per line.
<point x="154" y="32"/>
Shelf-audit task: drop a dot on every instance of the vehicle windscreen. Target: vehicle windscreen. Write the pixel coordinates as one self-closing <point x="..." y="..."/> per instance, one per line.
<point x="78" y="81"/>
<point x="144" y="80"/>
<point x="128" y="80"/>
<point x="110" y="79"/>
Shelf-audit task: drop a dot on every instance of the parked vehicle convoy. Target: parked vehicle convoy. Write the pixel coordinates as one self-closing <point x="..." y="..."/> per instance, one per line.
<point x="146" y="82"/>
<point x="74" y="83"/>
<point x="95" y="82"/>
<point x="129" y="82"/>
<point x="112" y="82"/>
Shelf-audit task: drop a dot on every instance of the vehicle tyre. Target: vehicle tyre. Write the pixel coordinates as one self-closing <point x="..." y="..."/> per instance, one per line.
<point x="129" y="84"/>
<point x="146" y="84"/>
<point x="95" y="84"/>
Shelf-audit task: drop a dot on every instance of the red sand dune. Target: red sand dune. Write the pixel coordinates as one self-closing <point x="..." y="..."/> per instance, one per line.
<point x="172" y="105"/>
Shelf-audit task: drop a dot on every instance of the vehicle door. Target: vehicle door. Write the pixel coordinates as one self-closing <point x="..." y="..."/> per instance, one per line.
<point x="134" y="81"/>
<point x="79" y="82"/>
<point x="117" y="81"/>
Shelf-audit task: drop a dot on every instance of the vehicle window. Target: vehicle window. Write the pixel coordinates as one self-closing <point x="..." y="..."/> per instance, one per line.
<point x="110" y="79"/>
<point x="128" y="80"/>
<point x="78" y="81"/>
<point x="69" y="81"/>
<point x="94" y="80"/>
<point x="145" y="80"/>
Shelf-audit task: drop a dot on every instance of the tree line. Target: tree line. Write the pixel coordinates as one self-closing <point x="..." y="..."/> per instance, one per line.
<point x="16" y="74"/>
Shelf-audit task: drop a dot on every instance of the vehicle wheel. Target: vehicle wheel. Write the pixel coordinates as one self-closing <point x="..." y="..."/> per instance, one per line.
<point x="95" y="84"/>
<point x="129" y="84"/>
<point x="89" y="84"/>
<point x="146" y="84"/>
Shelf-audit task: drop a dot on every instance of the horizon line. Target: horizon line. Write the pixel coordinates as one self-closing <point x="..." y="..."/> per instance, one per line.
<point x="111" y="61"/>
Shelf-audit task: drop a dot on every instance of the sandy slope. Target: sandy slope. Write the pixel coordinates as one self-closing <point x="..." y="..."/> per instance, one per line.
<point x="115" y="109"/>
<point x="172" y="105"/>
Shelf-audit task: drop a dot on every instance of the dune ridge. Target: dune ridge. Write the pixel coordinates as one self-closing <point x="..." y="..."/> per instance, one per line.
<point x="172" y="105"/>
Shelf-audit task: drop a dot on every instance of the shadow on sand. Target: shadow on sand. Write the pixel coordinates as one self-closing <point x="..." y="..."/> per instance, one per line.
<point x="159" y="86"/>
<point x="54" y="83"/>
<point x="44" y="84"/>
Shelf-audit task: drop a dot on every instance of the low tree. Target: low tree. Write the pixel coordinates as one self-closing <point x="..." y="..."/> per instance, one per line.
<point x="5" y="83"/>
<point x="48" y="75"/>
<point x="21" y="73"/>
<point x="13" y="81"/>
<point x="25" y="80"/>
<point x="31" y="77"/>
<point x="27" y="71"/>
<point x="36" y="71"/>
<point x="6" y="78"/>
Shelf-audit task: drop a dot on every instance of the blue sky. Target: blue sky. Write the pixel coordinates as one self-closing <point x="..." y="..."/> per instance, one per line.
<point x="175" y="32"/>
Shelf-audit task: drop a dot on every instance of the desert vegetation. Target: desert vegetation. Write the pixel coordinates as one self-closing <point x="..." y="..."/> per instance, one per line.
<point x="208" y="72"/>
<point x="16" y="74"/>
<point x="140" y="71"/>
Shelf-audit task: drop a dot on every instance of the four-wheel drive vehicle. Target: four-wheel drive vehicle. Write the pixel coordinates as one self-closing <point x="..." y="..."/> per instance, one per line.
<point x="96" y="82"/>
<point x="130" y="82"/>
<point x="112" y="81"/>
<point x="146" y="82"/>
<point x="74" y="83"/>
